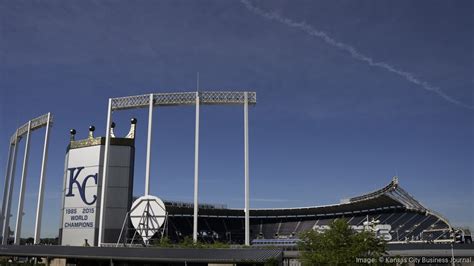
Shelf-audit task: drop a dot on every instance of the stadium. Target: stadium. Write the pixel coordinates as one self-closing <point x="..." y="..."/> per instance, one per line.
<point x="395" y="215"/>
<point x="103" y="222"/>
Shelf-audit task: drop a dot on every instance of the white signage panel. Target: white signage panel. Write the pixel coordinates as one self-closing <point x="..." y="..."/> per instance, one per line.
<point x="81" y="194"/>
<point x="81" y="197"/>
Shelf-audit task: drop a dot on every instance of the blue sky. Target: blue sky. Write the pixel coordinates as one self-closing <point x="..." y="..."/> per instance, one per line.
<point x="327" y="125"/>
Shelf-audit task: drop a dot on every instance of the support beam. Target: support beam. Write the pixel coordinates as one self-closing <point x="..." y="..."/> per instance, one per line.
<point x="39" y="206"/>
<point x="105" y="170"/>
<point x="196" y="171"/>
<point x="5" y="187"/>
<point x="183" y="98"/>
<point x="6" y="220"/>
<point x="21" y="198"/>
<point x="148" y="145"/>
<point x="246" y="169"/>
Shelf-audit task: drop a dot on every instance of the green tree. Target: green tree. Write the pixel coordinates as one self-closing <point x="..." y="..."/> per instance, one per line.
<point x="188" y="242"/>
<point x="339" y="245"/>
<point x="163" y="242"/>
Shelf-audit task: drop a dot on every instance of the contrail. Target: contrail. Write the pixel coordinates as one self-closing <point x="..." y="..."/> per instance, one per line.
<point x="352" y="51"/>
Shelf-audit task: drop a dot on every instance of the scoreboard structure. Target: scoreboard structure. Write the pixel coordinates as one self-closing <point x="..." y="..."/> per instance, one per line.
<point x="82" y="187"/>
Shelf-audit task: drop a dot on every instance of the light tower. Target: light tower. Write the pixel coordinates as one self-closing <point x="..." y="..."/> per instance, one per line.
<point x="45" y="120"/>
<point x="153" y="100"/>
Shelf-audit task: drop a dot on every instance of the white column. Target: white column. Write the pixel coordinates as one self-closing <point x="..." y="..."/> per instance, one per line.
<point x="148" y="145"/>
<point x="21" y="198"/>
<point x="39" y="206"/>
<point x="63" y="191"/>
<point x="246" y="169"/>
<point x="5" y="187"/>
<point x="105" y="169"/>
<point x="196" y="170"/>
<point x="11" y="178"/>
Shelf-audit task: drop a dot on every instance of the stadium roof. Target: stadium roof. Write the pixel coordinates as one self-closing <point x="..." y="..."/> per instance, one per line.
<point x="241" y="255"/>
<point x="392" y="196"/>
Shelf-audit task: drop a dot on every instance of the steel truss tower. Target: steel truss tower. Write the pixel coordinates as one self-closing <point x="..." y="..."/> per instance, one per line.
<point x="45" y="120"/>
<point x="174" y="99"/>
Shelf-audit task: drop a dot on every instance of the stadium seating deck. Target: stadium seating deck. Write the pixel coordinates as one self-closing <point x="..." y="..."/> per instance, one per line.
<point x="390" y="207"/>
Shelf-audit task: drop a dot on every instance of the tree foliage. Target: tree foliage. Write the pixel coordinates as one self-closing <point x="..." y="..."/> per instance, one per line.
<point x="339" y="245"/>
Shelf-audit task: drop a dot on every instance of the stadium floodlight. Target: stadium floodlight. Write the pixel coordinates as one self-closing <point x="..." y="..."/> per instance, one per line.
<point x="173" y="99"/>
<point x="45" y="120"/>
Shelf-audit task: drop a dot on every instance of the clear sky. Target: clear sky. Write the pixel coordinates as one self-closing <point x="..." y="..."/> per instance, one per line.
<point x="350" y="93"/>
